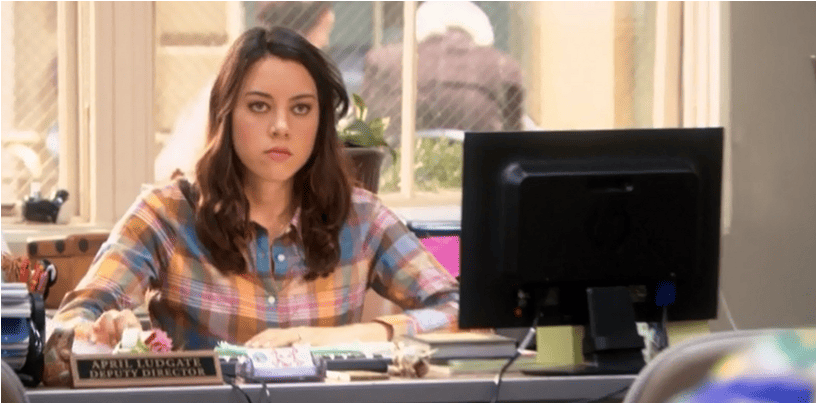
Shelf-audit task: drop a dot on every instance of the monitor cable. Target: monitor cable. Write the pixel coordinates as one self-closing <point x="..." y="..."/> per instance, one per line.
<point x="728" y="313"/>
<point x="265" y="390"/>
<point x="231" y="382"/>
<point x="522" y="347"/>
<point x="607" y="397"/>
<point x="658" y="337"/>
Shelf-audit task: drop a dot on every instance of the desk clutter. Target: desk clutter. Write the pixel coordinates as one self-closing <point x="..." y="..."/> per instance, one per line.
<point x="36" y="276"/>
<point x="23" y="329"/>
<point x="357" y="361"/>
<point x="71" y="257"/>
<point x="409" y="356"/>
<point x="145" y="358"/>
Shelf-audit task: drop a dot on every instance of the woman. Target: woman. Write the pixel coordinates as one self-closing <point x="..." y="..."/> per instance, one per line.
<point x="272" y="244"/>
<point x="313" y="20"/>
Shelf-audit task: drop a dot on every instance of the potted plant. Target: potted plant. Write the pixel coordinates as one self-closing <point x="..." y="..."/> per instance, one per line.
<point x="364" y="143"/>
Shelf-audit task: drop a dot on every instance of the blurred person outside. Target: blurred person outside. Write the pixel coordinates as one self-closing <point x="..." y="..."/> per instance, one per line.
<point x="312" y="19"/>
<point x="463" y="83"/>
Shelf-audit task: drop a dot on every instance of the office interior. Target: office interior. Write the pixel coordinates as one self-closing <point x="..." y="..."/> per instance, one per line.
<point x="115" y="77"/>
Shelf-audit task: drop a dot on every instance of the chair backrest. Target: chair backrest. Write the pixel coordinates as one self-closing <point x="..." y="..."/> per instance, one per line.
<point x="685" y="365"/>
<point x="12" y="388"/>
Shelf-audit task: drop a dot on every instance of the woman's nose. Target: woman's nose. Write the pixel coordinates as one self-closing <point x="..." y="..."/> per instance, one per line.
<point x="279" y="126"/>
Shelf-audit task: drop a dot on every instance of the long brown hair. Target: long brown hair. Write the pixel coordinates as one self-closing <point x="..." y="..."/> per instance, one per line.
<point x="322" y="187"/>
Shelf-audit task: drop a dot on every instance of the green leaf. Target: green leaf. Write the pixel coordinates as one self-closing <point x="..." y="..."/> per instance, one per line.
<point x="358" y="128"/>
<point x="365" y="134"/>
<point x="378" y="127"/>
<point x="360" y="107"/>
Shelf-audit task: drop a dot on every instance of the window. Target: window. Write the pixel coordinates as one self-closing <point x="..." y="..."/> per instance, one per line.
<point x="30" y="128"/>
<point x="527" y="65"/>
<point x="138" y="70"/>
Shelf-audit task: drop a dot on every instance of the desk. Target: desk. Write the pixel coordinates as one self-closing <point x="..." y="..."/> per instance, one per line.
<point x="455" y="389"/>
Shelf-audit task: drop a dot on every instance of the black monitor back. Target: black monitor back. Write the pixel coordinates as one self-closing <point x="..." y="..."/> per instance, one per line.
<point x="547" y="215"/>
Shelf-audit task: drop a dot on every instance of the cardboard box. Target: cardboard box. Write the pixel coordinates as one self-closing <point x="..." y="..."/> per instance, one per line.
<point x="71" y="255"/>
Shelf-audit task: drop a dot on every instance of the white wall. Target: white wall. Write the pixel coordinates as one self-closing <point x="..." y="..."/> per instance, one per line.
<point x="768" y="258"/>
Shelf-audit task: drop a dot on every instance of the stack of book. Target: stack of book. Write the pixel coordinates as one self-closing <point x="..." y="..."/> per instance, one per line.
<point x="525" y="362"/>
<point x="464" y="345"/>
<point x="16" y="317"/>
<point x="472" y="352"/>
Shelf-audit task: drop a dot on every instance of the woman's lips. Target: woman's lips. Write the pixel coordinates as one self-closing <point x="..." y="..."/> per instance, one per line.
<point x="278" y="154"/>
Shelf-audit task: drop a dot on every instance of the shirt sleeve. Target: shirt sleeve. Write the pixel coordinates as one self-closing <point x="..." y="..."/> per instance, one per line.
<point x="407" y="274"/>
<point x="123" y="269"/>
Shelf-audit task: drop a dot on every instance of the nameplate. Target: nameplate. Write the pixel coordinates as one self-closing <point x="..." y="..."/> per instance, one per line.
<point x="147" y="369"/>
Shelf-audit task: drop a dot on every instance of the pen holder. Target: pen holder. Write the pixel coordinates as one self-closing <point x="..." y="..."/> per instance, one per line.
<point x="37" y="209"/>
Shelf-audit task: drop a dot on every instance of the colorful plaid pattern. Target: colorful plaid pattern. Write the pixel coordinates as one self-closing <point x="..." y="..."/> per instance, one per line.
<point x="154" y="255"/>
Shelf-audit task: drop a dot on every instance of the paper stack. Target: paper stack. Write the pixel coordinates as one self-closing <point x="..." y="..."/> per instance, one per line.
<point x="16" y="321"/>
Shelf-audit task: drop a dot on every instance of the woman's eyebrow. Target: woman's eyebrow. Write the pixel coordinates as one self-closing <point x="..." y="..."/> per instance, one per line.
<point x="302" y="96"/>
<point x="259" y="93"/>
<point x="265" y="95"/>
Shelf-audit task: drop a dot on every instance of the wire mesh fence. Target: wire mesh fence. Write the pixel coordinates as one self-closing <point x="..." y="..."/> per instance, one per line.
<point x="467" y="80"/>
<point x="470" y="76"/>
<point x="30" y="131"/>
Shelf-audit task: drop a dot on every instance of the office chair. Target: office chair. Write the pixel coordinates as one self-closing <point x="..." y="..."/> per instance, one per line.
<point x="12" y="388"/>
<point x="685" y="365"/>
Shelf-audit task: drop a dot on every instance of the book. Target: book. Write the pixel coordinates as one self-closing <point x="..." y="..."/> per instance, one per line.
<point x="464" y="345"/>
<point x="355" y="375"/>
<point x="484" y="365"/>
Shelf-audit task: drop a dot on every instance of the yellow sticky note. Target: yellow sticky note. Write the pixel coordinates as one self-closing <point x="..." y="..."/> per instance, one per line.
<point x="562" y="345"/>
<point x="678" y="331"/>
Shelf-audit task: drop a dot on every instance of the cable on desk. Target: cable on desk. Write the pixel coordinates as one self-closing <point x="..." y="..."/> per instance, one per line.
<point x="231" y="382"/>
<point x="725" y="307"/>
<point x="522" y="346"/>
<point x="657" y="336"/>
<point x="607" y="396"/>
<point x="265" y="392"/>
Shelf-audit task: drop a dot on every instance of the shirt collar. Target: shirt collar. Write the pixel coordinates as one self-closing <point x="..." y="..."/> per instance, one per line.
<point x="294" y="230"/>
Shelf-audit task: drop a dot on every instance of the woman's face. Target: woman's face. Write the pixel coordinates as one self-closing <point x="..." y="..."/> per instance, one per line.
<point x="275" y="120"/>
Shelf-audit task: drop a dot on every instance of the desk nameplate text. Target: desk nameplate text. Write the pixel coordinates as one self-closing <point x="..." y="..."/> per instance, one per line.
<point x="146" y="369"/>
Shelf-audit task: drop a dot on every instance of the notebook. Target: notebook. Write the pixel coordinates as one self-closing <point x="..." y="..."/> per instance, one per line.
<point x="464" y="345"/>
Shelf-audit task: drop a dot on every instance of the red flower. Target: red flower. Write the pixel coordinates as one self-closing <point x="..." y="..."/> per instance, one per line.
<point x="158" y="341"/>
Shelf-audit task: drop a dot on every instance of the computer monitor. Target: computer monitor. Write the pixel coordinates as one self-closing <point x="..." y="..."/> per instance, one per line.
<point x="572" y="227"/>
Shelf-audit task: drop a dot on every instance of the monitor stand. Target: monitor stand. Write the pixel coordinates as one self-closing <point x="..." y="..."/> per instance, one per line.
<point x="611" y="342"/>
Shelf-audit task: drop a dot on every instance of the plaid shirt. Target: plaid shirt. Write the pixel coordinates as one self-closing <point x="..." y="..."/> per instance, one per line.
<point x="155" y="255"/>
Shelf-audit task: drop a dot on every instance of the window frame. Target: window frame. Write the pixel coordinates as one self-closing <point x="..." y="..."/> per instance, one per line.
<point x="107" y="110"/>
<point x="106" y="104"/>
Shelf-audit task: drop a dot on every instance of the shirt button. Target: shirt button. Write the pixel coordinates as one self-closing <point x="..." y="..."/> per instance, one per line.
<point x="281" y="257"/>
<point x="271" y="300"/>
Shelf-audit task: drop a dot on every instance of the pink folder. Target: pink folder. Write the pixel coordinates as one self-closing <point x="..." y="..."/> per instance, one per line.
<point x="446" y="249"/>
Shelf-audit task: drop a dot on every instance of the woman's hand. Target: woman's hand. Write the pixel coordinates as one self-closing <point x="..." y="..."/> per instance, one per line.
<point x="108" y="328"/>
<point x="318" y="336"/>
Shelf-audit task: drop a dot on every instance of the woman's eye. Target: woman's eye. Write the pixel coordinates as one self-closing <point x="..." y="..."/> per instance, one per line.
<point x="301" y="109"/>
<point x="258" y="107"/>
